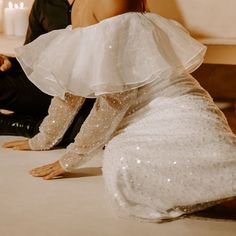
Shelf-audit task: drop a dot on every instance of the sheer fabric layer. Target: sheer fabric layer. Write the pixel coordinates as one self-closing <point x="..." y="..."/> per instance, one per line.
<point x="60" y="115"/>
<point x="98" y="128"/>
<point x="118" y="54"/>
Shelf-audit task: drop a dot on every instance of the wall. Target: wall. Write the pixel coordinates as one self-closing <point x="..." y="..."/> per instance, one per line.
<point x="27" y="3"/>
<point x="204" y="18"/>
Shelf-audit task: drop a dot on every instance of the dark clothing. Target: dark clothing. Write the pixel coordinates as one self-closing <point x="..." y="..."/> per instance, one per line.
<point x="47" y="15"/>
<point x="18" y="94"/>
<point x="28" y="126"/>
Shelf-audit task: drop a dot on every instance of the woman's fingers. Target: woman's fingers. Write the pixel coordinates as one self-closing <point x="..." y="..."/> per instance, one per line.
<point x="54" y="174"/>
<point x="42" y="171"/>
<point x="22" y="146"/>
<point x="48" y="171"/>
<point x="13" y="143"/>
<point x="17" y="145"/>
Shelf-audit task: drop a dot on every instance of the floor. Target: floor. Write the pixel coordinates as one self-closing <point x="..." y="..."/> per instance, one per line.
<point x="79" y="206"/>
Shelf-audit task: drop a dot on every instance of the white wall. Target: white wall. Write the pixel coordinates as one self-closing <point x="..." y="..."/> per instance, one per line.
<point x="204" y="18"/>
<point x="28" y="3"/>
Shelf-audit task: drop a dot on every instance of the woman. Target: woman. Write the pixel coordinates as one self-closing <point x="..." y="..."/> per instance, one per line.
<point x="168" y="149"/>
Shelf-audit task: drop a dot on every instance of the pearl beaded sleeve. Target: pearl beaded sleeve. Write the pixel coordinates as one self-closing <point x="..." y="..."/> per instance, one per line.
<point x="60" y="115"/>
<point x="105" y="117"/>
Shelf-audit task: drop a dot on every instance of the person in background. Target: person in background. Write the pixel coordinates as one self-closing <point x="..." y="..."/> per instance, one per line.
<point x="17" y="93"/>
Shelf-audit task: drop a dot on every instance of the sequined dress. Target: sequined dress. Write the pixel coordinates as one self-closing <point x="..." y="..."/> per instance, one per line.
<point x="168" y="149"/>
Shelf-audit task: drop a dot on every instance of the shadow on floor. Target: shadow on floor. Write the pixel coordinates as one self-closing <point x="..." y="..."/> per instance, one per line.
<point x="218" y="212"/>
<point x="85" y="172"/>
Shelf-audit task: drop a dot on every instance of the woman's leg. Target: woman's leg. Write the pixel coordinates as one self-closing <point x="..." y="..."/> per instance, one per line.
<point x="172" y="162"/>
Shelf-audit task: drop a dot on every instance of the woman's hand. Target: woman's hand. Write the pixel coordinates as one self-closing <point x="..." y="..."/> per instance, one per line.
<point x="17" y="145"/>
<point x="48" y="171"/>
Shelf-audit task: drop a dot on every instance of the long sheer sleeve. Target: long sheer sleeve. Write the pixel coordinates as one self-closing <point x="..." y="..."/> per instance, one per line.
<point x="60" y="115"/>
<point x="105" y="117"/>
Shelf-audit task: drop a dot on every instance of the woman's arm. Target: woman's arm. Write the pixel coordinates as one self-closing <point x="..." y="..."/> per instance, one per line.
<point x="105" y="116"/>
<point x="60" y="115"/>
<point x="97" y="130"/>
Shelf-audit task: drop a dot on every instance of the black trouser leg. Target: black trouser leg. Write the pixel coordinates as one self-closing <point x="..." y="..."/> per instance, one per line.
<point x="18" y="94"/>
<point x="19" y="125"/>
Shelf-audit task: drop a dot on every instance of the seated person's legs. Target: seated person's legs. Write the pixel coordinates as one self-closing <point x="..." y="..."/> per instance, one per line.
<point x="28" y="103"/>
<point x="30" y="106"/>
<point x="28" y="126"/>
<point x="18" y="94"/>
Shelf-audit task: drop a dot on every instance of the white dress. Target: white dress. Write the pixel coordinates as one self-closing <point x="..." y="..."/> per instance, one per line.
<point x="168" y="149"/>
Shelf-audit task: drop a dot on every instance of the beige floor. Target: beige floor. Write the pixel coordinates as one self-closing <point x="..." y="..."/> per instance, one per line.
<point x="79" y="206"/>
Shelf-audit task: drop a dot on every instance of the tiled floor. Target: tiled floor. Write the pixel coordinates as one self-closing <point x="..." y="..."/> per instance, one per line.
<point x="78" y="206"/>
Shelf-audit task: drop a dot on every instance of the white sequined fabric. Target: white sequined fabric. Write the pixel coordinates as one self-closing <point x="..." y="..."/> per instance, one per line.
<point x="168" y="149"/>
<point x="173" y="156"/>
<point x="60" y="115"/>
<point x="98" y="128"/>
